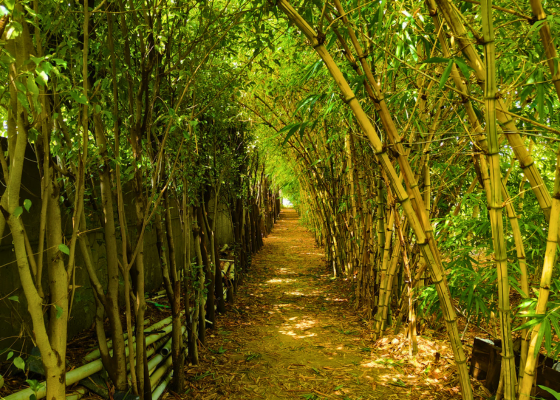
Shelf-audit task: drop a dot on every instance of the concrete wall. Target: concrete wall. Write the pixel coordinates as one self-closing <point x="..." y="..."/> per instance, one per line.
<point x="15" y="324"/>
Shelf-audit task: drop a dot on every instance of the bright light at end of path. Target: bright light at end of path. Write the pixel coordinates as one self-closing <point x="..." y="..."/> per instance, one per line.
<point x="287" y="203"/>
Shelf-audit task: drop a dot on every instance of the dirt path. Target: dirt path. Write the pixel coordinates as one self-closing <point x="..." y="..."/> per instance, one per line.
<point x="292" y="334"/>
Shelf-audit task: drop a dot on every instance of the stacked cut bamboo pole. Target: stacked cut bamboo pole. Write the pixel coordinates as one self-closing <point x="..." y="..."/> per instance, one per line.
<point x="161" y="360"/>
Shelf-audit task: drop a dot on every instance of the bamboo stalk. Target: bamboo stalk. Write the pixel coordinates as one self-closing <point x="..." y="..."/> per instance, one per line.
<point x="495" y="204"/>
<point x="544" y="290"/>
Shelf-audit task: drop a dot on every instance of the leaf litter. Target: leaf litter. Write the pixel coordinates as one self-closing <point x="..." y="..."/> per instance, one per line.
<point x="293" y="333"/>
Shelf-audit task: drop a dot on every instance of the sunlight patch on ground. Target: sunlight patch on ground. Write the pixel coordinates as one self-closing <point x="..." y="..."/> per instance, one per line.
<point x="330" y="299"/>
<point x="277" y="280"/>
<point x="285" y="271"/>
<point x="297" y="330"/>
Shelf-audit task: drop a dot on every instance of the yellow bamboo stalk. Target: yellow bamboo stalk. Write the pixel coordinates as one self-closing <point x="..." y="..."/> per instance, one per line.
<point x="495" y="203"/>
<point x="544" y="291"/>
<point x="429" y="251"/>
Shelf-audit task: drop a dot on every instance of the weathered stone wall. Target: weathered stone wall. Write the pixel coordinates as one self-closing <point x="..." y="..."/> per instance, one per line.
<point x="15" y="325"/>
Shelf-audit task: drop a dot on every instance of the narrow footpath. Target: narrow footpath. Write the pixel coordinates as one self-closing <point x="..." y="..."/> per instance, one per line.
<point x="293" y="334"/>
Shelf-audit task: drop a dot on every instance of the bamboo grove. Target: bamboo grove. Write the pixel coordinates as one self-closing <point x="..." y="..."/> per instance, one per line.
<point x="125" y="109"/>
<point x="418" y="140"/>
<point x="407" y="121"/>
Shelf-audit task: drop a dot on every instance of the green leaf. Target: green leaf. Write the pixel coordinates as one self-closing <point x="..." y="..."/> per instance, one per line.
<point x="10" y="355"/>
<point x="23" y="100"/>
<point x="59" y="311"/>
<point x="14" y="298"/>
<point x="78" y="97"/>
<point x="18" y="211"/>
<point x="34" y="384"/>
<point x="14" y="30"/>
<point x="32" y="86"/>
<point x="540" y="101"/>
<point x="27" y="204"/>
<point x="10" y="4"/>
<point x="551" y="391"/>
<point x="381" y="8"/>
<point x="445" y="75"/>
<point x="19" y="363"/>
<point x="21" y="87"/>
<point x="62" y="247"/>
<point x="544" y="326"/>
<point x="462" y="66"/>
<point x="291" y="132"/>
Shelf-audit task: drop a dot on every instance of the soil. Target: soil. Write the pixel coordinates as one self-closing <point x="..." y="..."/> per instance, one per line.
<point x="294" y="334"/>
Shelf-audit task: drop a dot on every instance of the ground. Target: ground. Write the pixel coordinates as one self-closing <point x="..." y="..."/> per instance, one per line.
<point x="294" y="334"/>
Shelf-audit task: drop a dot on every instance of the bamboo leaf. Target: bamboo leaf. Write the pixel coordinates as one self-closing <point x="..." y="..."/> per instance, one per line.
<point x="380" y="15"/>
<point x="463" y="66"/>
<point x="527" y="324"/>
<point x="445" y="74"/>
<point x="14" y="298"/>
<point x="540" y="101"/>
<point x="291" y="132"/>
<point x="27" y="204"/>
<point x="544" y="326"/>
<point x="551" y="391"/>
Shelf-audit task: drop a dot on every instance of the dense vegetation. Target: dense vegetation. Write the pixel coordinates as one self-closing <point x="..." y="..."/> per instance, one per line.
<point x="418" y="140"/>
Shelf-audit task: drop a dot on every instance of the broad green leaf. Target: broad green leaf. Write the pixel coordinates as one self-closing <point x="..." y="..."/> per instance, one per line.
<point x="59" y="311"/>
<point x="23" y="100"/>
<point x="10" y="355"/>
<point x="27" y="204"/>
<point x="78" y="97"/>
<point x="18" y="211"/>
<point x="62" y="247"/>
<point x="19" y="363"/>
<point x="10" y="4"/>
<point x="21" y="87"/>
<point x="14" y="30"/>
